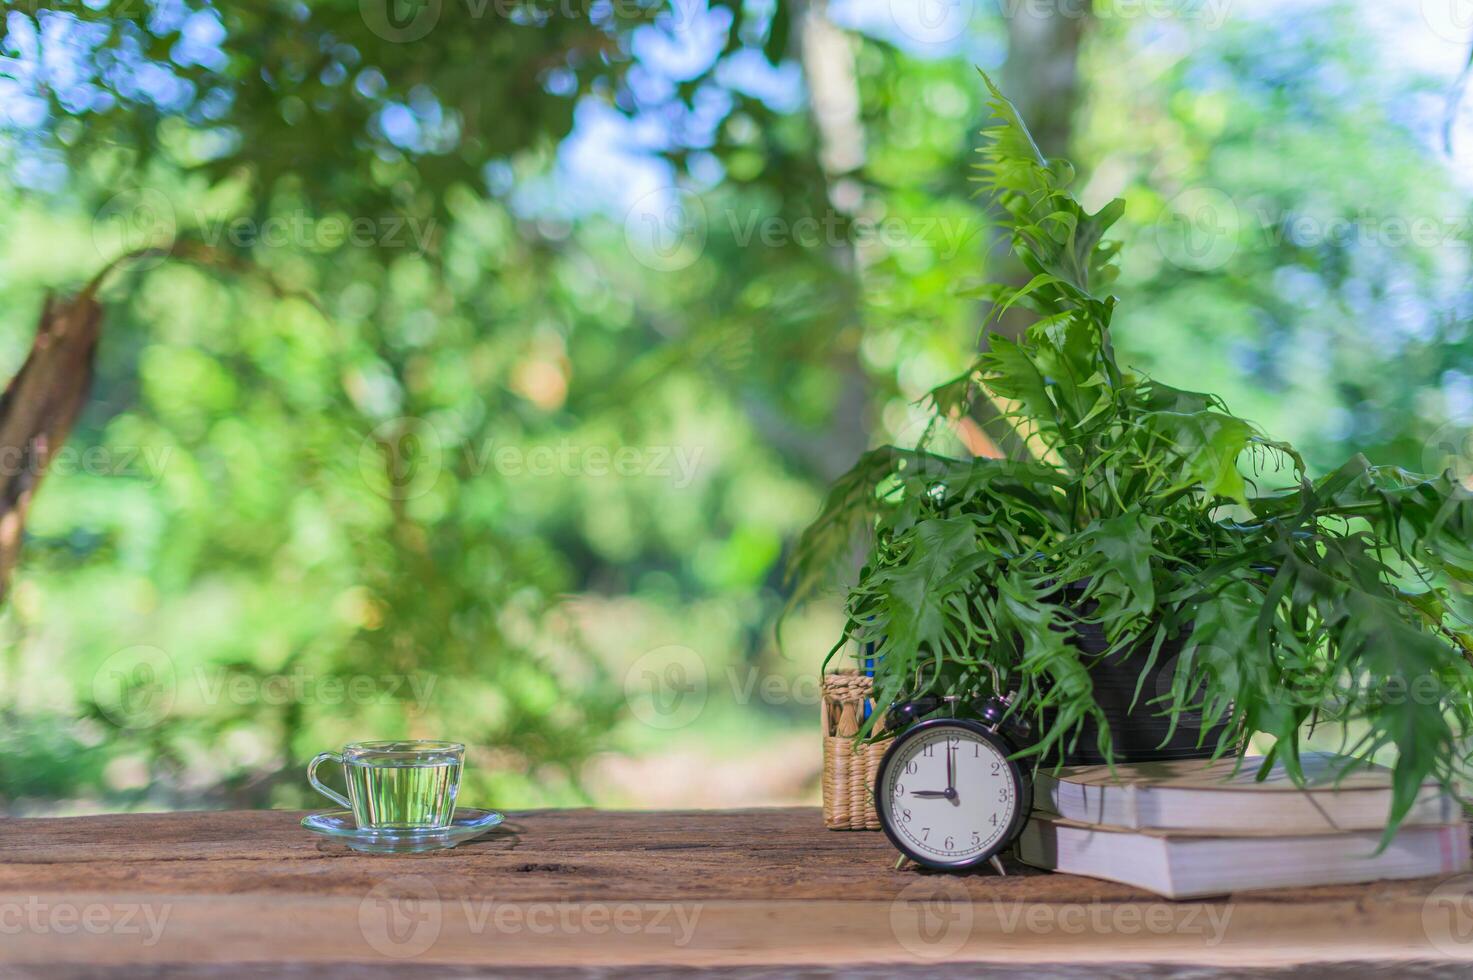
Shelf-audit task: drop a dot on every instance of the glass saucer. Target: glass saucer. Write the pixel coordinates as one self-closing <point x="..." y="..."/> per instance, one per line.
<point x="468" y="823"/>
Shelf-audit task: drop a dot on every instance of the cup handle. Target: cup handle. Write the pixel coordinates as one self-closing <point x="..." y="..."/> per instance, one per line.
<point x="317" y="783"/>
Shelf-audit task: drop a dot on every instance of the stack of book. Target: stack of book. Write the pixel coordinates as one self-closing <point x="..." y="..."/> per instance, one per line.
<point x="1185" y="829"/>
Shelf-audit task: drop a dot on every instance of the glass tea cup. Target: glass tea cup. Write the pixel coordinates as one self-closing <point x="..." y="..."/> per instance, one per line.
<point x="396" y="785"/>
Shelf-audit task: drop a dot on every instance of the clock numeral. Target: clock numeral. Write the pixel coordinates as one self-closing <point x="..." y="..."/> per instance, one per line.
<point x="976" y="750"/>
<point x="899" y="789"/>
<point x="925" y="833"/>
<point x="905" y="815"/>
<point x="994" y="820"/>
<point x="1002" y="794"/>
<point x="996" y="768"/>
<point x="949" y="844"/>
<point x="953" y="740"/>
<point x="976" y="838"/>
<point x="927" y="750"/>
<point x="911" y="768"/>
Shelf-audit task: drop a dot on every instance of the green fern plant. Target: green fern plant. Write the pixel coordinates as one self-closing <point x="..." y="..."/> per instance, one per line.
<point x="1342" y="600"/>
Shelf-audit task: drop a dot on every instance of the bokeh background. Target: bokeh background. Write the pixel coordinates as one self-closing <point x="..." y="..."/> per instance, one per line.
<point x="516" y="341"/>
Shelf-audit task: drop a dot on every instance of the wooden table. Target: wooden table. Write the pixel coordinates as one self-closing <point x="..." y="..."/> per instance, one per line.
<point x="755" y="892"/>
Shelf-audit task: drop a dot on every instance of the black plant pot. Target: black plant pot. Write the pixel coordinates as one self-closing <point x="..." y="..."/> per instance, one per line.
<point x="1137" y="734"/>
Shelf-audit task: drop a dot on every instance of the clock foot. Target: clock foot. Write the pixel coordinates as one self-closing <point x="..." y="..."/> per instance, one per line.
<point x="997" y="863"/>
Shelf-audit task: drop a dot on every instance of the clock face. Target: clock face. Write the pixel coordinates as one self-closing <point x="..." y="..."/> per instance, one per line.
<point x="948" y="796"/>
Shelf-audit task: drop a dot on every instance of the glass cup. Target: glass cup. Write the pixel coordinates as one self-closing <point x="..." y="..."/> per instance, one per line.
<point x="407" y="785"/>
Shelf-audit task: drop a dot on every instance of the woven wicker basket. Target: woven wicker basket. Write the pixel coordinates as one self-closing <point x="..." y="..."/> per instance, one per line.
<point x="849" y="767"/>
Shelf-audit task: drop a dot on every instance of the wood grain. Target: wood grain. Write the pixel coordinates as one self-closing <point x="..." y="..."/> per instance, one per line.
<point x="576" y="889"/>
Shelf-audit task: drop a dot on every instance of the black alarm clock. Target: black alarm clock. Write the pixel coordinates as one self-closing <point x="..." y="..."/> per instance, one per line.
<point x="948" y="795"/>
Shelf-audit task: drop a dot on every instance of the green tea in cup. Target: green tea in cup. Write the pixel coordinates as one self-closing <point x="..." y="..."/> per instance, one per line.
<point x="406" y="785"/>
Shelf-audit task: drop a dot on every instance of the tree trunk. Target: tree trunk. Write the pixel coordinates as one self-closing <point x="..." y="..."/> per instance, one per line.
<point x="1041" y="78"/>
<point x="1041" y="74"/>
<point x="827" y="56"/>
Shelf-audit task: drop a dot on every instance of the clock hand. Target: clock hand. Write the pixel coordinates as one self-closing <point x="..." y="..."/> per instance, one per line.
<point x="935" y="794"/>
<point x="950" y="770"/>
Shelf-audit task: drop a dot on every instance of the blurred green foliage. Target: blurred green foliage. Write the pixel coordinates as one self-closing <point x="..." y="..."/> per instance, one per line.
<point x="379" y="445"/>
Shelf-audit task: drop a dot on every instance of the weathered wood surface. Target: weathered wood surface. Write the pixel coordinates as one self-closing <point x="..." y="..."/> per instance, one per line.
<point x="561" y="892"/>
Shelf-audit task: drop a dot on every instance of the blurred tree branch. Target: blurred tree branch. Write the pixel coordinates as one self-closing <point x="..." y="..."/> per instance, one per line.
<point x="44" y="398"/>
<point x="39" y="407"/>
